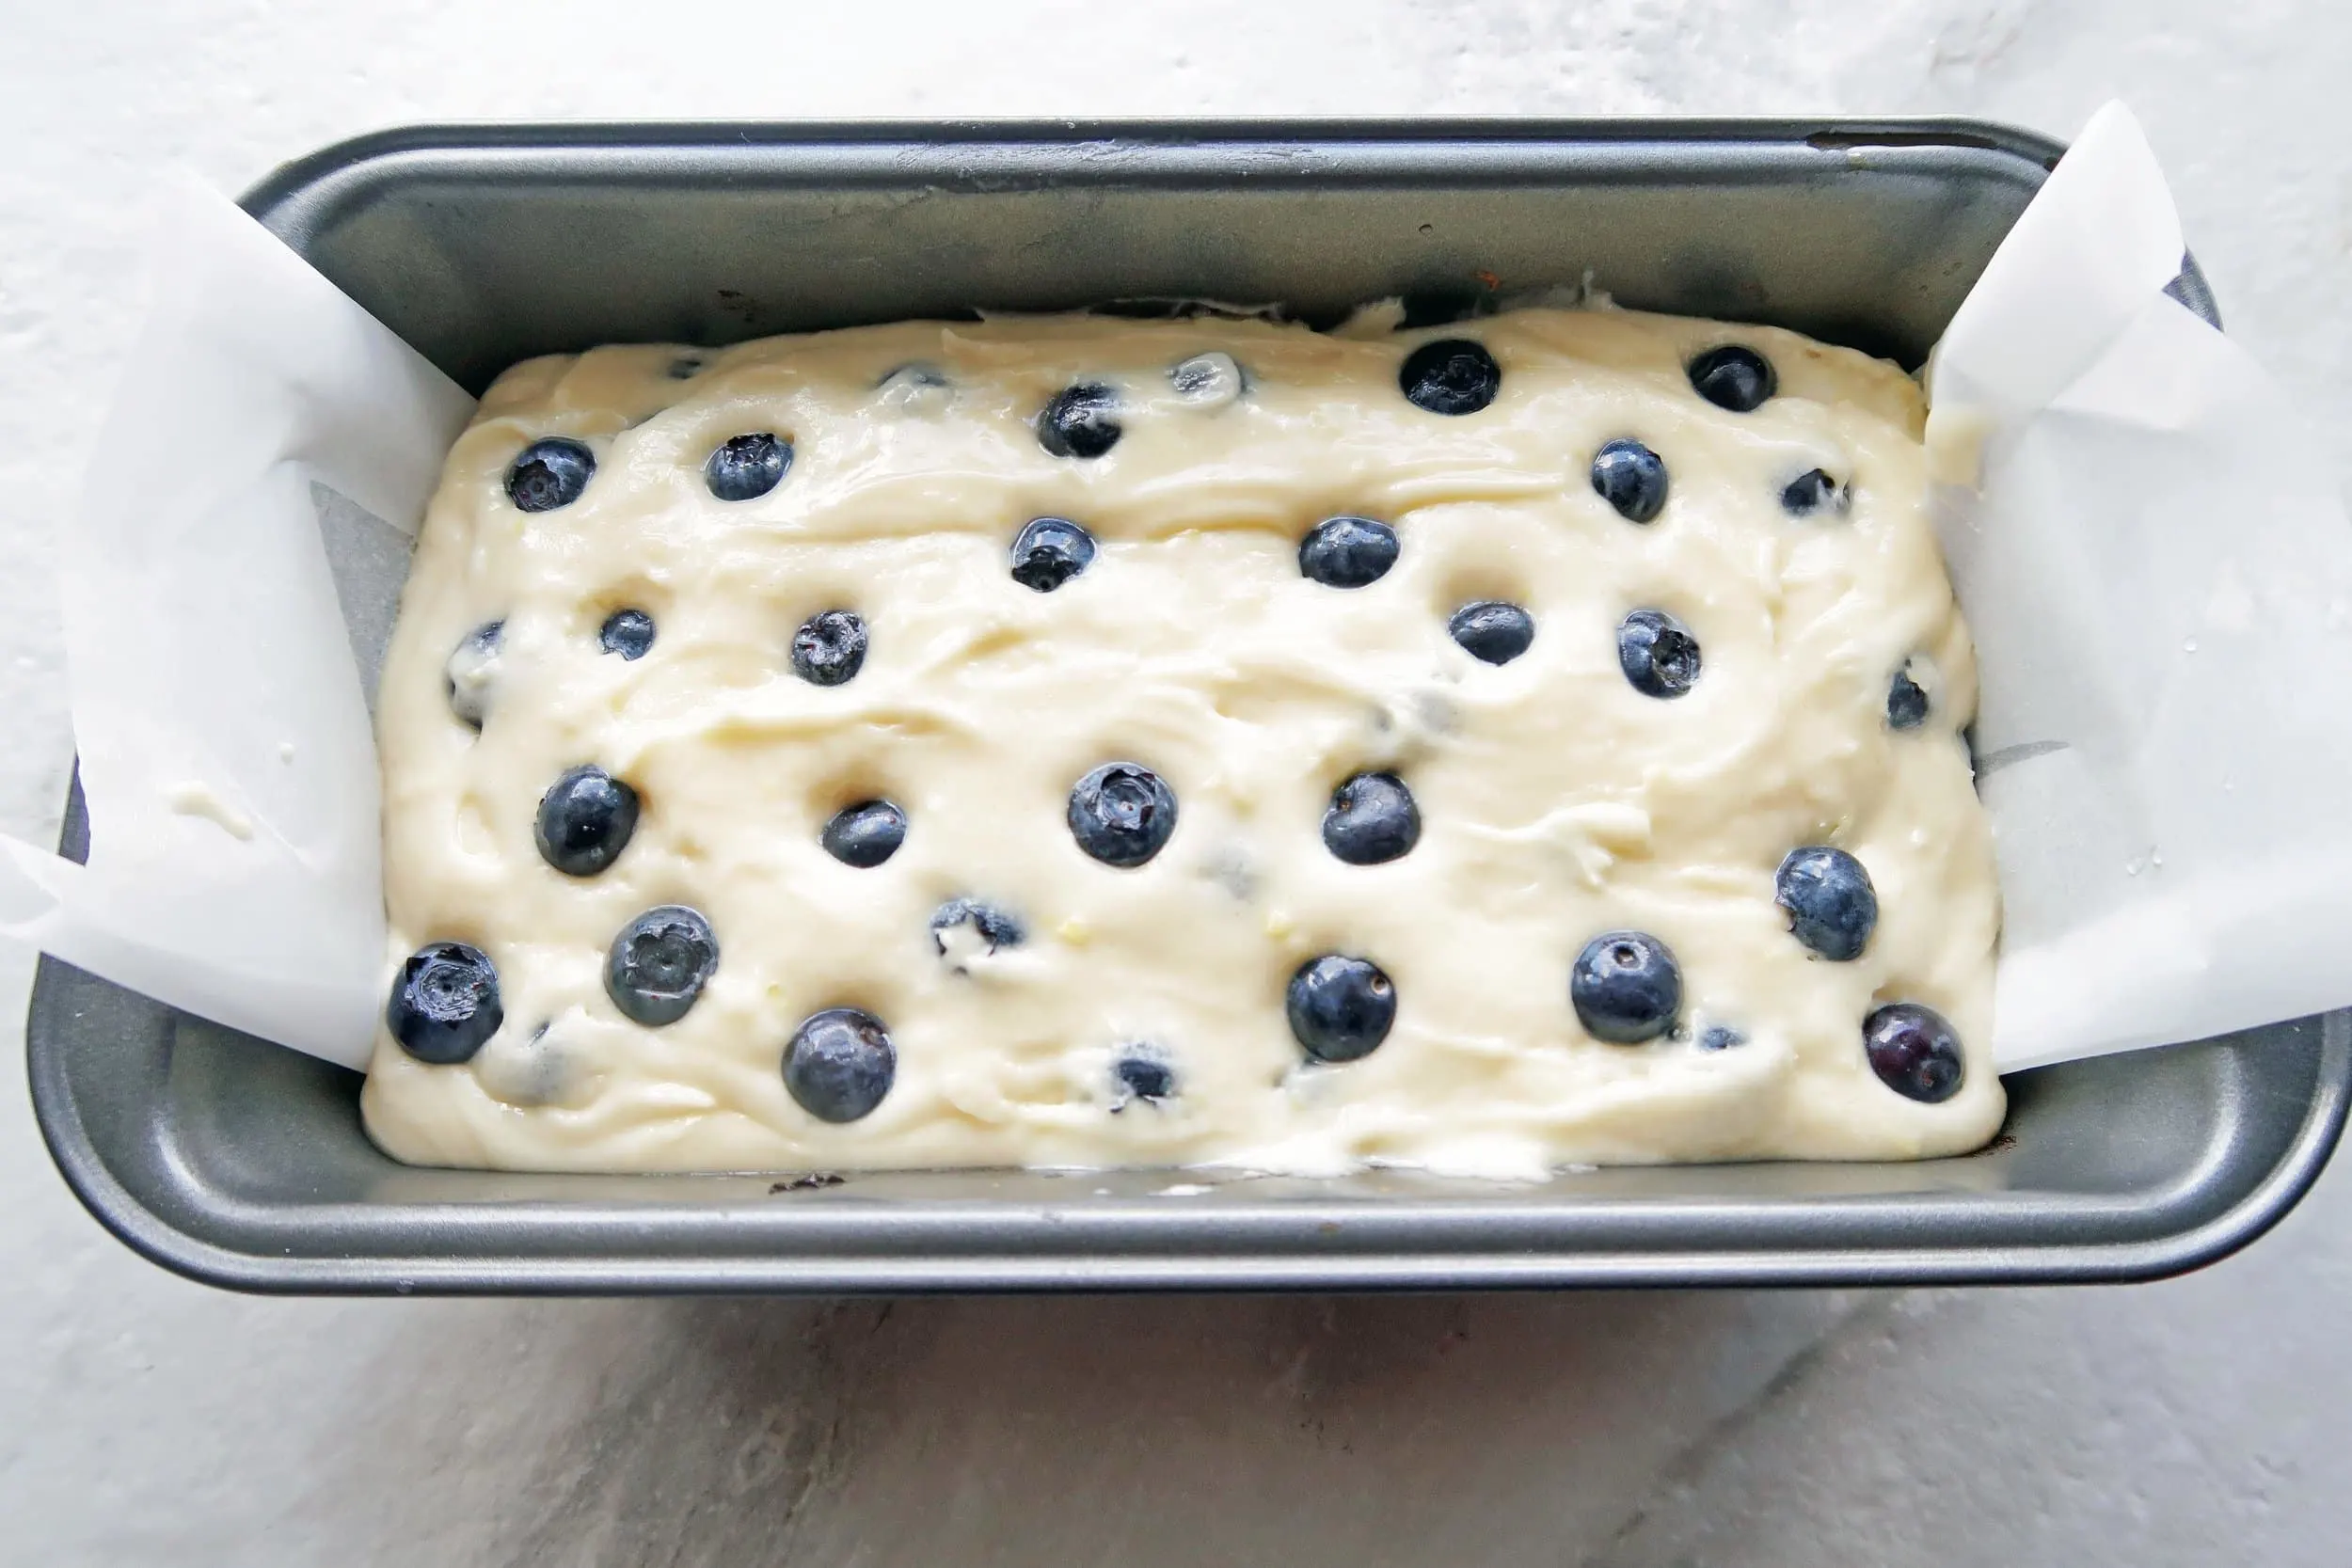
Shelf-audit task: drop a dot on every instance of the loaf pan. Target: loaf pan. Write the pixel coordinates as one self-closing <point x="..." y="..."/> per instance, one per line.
<point x="244" y="1164"/>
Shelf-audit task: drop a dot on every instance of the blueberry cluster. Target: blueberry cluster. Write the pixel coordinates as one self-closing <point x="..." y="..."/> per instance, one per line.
<point x="1625" y="987"/>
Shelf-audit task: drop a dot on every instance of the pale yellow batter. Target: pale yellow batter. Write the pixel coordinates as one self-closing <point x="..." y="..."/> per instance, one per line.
<point x="1557" y="801"/>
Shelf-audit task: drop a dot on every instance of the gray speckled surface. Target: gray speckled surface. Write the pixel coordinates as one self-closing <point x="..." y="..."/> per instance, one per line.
<point x="146" y="1419"/>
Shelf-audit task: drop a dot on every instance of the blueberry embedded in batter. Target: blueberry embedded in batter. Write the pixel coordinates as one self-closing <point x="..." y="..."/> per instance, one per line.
<point x="1632" y="478"/>
<point x="840" y="1064"/>
<point x="1832" y="906"/>
<point x="627" y="632"/>
<point x="1492" y="631"/>
<point x="1814" y="491"/>
<point x="586" y="818"/>
<point x="1080" y="421"/>
<point x="1734" y="377"/>
<point x="1121" y="813"/>
<point x="1914" y="1052"/>
<point x="1141" y="1071"/>
<point x="1451" y="375"/>
<point x="830" y="647"/>
<point x="1208" y="380"/>
<point x="1339" y="1007"/>
<point x="1657" y="654"/>
<point x="1049" y="551"/>
<point x="1626" y="988"/>
<point x="471" y="673"/>
<point x="444" y="1003"/>
<point x="1347" y="552"/>
<point x="1906" y="700"/>
<point x="659" y="964"/>
<point x="865" y="834"/>
<point x="966" y="928"/>
<point x="550" y="473"/>
<point x="745" y="468"/>
<point x="1372" y="819"/>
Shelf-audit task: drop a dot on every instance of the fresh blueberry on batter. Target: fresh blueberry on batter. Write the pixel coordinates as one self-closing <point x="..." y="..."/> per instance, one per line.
<point x="1733" y="377"/>
<point x="1832" y="906"/>
<point x="914" y="386"/>
<point x="1914" y="1050"/>
<point x="1721" y="1037"/>
<point x="1492" y="631"/>
<point x="1451" y="375"/>
<point x="472" y="671"/>
<point x="1906" y="701"/>
<point x="585" y="821"/>
<point x="1632" y="478"/>
<point x="1339" y="1009"/>
<point x="1211" y="379"/>
<point x="1081" y="422"/>
<point x="1657" y="654"/>
<point x="830" y="647"/>
<point x="548" y="473"/>
<point x="744" y="468"/>
<point x="445" y="1003"/>
<point x="1121" y="813"/>
<point x="840" y="1064"/>
<point x="659" y="963"/>
<point x="865" y="834"/>
<point x="627" y="632"/>
<point x="1626" y="988"/>
<point x="1141" y="1071"/>
<point x="1347" y="552"/>
<point x="1812" y="491"/>
<point x="989" y="925"/>
<point x="1049" y="551"/>
<point x="1372" y="818"/>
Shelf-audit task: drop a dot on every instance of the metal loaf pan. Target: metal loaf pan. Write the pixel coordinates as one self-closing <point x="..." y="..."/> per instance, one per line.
<point x="241" y="1164"/>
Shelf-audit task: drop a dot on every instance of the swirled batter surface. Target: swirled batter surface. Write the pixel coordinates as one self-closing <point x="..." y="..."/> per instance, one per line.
<point x="1074" y="1011"/>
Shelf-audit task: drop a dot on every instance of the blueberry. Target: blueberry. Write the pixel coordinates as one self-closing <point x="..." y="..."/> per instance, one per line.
<point x="445" y="1004"/>
<point x="865" y="834"/>
<point x="745" y="468"/>
<point x="1914" y="1050"/>
<point x="1211" y="379"/>
<point x="1049" y="551"/>
<point x="840" y="1064"/>
<point x="1626" y="988"/>
<point x="914" y="386"/>
<point x="585" y="821"/>
<point x="1733" y="377"/>
<point x="1080" y="422"/>
<point x="830" y="647"/>
<point x="1141" y="1071"/>
<point x="1372" y="818"/>
<point x="627" y="632"/>
<point x="684" y="368"/>
<point x="1632" y="478"/>
<point x="659" y="963"/>
<point x="1121" y="813"/>
<point x="1812" y="491"/>
<point x="550" y="473"/>
<point x="472" y="671"/>
<point x="1832" y="906"/>
<point x="1492" y="631"/>
<point x="1451" y="375"/>
<point x="1340" y="1008"/>
<point x="1347" y="552"/>
<point x="1721" y="1037"/>
<point x="1906" y="701"/>
<point x="1657" y="654"/>
<point x="989" y="923"/>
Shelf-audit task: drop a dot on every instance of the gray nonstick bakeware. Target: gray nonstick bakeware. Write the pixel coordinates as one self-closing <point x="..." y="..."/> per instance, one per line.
<point x="244" y="1164"/>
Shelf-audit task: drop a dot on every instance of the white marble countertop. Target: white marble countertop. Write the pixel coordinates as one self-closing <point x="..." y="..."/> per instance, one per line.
<point x="143" y="1419"/>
